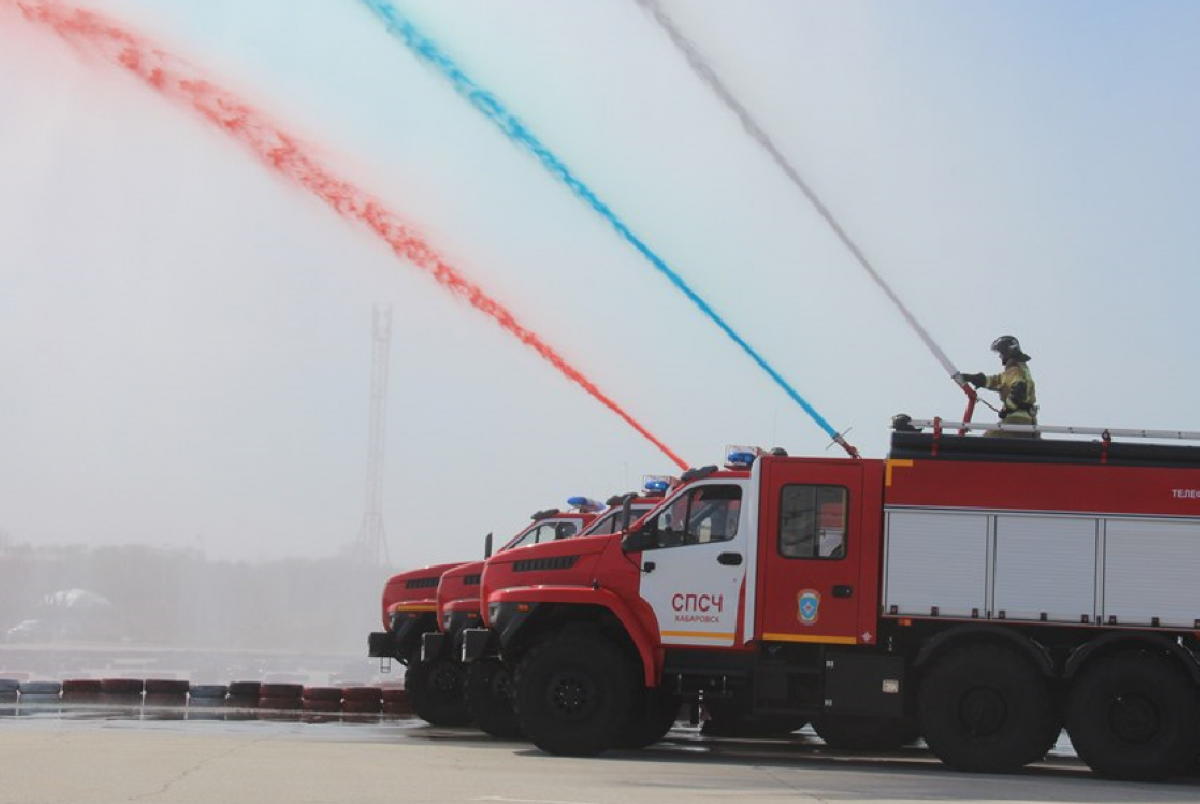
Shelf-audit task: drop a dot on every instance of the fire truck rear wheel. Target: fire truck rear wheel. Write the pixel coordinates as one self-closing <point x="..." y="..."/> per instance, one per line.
<point x="574" y="694"/>
<point x="435" y="692"/>
<point x="1135" y="716"/>
<point x="859" y="733"/>
<point x="987" y="709"/>
<point x="489" y="697"/>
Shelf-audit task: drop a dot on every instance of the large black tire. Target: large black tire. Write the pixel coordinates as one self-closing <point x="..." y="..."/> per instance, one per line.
<point x="1135" y="716"/>
<point x="651" y="721"/>
<point x="489" y="697"/>
<point x="987" y="709"/>
<point x="860" y="733"/>
<point x="435" y="692"/>
<point x="575" y="693"/>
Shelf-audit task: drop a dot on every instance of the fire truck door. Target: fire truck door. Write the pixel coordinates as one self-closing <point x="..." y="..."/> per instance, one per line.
<point x="692" y="577"/>
<point x="809" y="553"/>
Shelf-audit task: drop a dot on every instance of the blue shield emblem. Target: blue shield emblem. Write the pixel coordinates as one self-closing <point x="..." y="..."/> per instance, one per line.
<point x="808" y="604"/>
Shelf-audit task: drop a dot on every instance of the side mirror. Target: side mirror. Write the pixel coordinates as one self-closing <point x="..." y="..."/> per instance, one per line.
<point x="643" y="539"/>
<point x="487" y="546"/>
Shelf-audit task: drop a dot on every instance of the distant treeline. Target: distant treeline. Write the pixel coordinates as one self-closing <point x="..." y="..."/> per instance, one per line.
<point x="178" y="598"/>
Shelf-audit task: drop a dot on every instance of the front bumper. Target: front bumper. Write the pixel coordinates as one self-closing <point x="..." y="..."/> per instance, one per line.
<point x="381" y="644"/>
<point x="404" y="639"/>
<point x="507" y="620"/>
<point x="433" y="644"/>
<point x="478" y="643"/>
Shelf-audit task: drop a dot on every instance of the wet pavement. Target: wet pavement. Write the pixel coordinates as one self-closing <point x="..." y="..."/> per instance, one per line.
<point x="151" y="754"/>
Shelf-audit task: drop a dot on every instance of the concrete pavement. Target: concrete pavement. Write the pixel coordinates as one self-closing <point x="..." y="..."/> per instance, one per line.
<point x="104" y="759"/>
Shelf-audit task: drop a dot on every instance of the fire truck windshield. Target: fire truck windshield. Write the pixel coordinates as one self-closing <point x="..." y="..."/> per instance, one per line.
<point x="545" y="531"/>
<point x="612" y="520"/>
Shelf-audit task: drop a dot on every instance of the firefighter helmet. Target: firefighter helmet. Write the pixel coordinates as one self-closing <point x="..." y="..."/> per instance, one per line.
<point x="1008" y="347"/>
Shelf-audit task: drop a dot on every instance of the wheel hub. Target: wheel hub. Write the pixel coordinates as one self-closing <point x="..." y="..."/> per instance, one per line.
<point x="501" y="685"/>
<point x="982" y="711"/>
<point x="572" y="694"/>
<point x="445" y="678"/>
<point x="1134" y="718"/>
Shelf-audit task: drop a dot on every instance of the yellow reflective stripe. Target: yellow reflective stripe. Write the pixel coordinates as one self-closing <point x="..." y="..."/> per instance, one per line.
<point x="832" y="640"/>
<point x="898" y="463"/>
<point x="697" y="634"/>
<point x="413" y="607"/>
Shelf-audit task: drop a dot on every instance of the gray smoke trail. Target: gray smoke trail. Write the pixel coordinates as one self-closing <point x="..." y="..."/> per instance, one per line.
<point x="702" y="68"/>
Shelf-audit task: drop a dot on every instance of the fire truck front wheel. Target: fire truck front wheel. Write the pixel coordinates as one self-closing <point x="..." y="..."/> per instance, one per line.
<point x="1135" y="716"/>
<point x="986" y="709"/>
<point x="574" y="693"/>
<point x="435" y="692"/>
<point x="651" y="721"/>
<point x="489" y="696"/>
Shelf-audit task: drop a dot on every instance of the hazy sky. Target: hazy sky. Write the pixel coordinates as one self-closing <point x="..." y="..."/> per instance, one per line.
<point x="185" y="339"/>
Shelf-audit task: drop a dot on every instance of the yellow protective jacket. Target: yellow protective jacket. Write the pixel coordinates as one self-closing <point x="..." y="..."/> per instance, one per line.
<point x="1017" y="393"/>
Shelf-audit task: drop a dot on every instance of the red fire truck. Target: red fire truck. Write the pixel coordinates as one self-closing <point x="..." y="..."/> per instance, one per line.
<point x="410" y="609"/>
<point x="485" y="686"/>
<point x="979" y="592"/>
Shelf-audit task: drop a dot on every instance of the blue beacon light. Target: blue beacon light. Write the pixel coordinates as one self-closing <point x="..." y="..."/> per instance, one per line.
<point x="585" y="504"/>
<point x="740" y="459"/>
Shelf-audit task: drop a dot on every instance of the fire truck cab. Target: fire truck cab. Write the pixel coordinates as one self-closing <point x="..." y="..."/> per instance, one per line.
<point x="486" y="684"/>
<point x="979" y="592"/>
<point x="435" y="682"/>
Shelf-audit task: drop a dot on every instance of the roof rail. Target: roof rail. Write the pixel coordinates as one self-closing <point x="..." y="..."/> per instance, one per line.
<point x="1103" y="432"/>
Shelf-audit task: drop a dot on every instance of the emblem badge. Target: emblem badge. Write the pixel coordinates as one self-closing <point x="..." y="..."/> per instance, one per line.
<point x="808" y="605"/>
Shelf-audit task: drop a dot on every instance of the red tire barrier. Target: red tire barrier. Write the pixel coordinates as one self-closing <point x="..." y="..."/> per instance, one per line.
<point x="280" y="704"/>
<point x="245" y="689"/>
<point x="122" y="686"/>
<point x="322" y="694"/>
<point x="395" y="702"/>
<point x="163" y="699"/>
<point x="362" y="707"/>
<point x="372" y="694"/>
<point x="81" y="690"/>
<point x="321" y="705"/>
<point x="167" y="686"/>
<point x="281" y="690"/>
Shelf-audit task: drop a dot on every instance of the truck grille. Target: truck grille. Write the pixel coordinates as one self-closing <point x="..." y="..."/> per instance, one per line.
<point x="537" y="564"/>
<point x="422" y="583"/>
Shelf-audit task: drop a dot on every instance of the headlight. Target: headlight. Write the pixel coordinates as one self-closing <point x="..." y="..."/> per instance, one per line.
<point x="493" y="612"/>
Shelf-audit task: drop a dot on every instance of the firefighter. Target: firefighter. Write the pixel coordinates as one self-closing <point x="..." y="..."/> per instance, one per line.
<point x="1014" y="384"/>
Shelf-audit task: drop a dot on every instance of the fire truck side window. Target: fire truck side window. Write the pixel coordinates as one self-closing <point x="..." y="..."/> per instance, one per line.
<point x="812" y="522"/>
<point x="705" y="514"/>
<point x="604" y="525"/>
